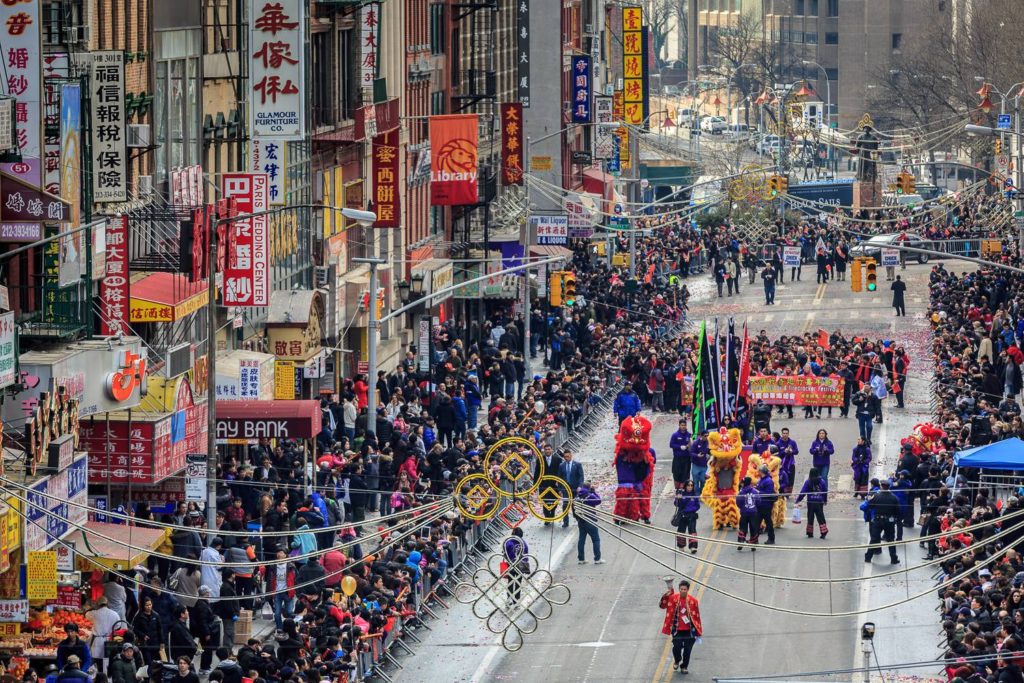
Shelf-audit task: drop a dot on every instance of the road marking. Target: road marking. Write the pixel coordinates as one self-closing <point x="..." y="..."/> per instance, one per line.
<point x="768" y="317"/>
<point x="705" y="554"/>
<point x="864" y="592"/>
<point x="596" y="643"/>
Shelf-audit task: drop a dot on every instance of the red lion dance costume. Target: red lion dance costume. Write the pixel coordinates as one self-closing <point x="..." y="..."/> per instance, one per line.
<point x="634" y="466"/>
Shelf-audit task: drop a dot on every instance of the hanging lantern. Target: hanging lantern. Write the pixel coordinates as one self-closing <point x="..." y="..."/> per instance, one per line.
<point x="717" y="102"/>
<point x="986" y="104"/>
<point x="984" y="90"/>
<point x="762" y="98"/>
<point x="669" y="123"/>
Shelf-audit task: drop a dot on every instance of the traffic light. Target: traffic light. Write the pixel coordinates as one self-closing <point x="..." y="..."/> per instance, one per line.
<point x="783" y="184"/>
<point x="855" y="275"/>
<point x="906" y="183"/>
<point x="872" y="275"/>
<point x="569" y="288"/>
<point x="999" y="146"/>
<point x="773" y="186"/>
<point x="555" y="289"/>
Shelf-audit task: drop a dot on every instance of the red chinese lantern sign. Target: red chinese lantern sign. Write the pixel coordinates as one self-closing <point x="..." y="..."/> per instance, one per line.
<point x="385" y="180"/>
<point x="512" y="143"/>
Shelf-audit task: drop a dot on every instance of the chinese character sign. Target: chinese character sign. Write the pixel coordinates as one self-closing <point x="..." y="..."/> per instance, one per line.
<point x="20" y="26"/>
<point x="277" y="108"/>
<point x="603" y="114"/>
<point x="453" y="159"/>
<point x="72" y="247"/>
<point x="109" y="151"/>
<point x="247" y="271"/>
<point x="369" y="38"/>
<point x="632" y="65"/>
<point x="56" y="68"/>
<point x="268" y="156"/>
<point x="8" y="351"/>
<point x="512" y="143"/>
<point x="114" y="294"/>
<point x="581" y="87"/>
<point x="523" y="52"/>
<point x="249" y="379"/>
<point x="550" y="229"/>
<point x="385" y="180"/>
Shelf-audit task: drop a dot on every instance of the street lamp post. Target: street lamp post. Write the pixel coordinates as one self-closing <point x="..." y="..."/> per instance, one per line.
<point x="988" y="131"/>
<point x="366" y="219"/>
<point x="828" y="106"/>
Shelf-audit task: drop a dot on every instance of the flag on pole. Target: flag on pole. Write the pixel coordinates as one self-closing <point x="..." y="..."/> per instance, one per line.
<point x="744" y="378"/>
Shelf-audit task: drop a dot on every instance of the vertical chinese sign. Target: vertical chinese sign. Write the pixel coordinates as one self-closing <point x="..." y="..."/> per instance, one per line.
<point x="73" y="258"/>
<point x="109" y="151"/>
<point x="633" y="65"/>
<point x="512" y="143"/>
<point x="581" y="87"/>
<point x="385" y="180"/>
<point x="247" y="271"/>
<point x="56" y="66"/>
<point x="20" y="26"/>
<point x="369" y="27"/>
<point x="453" y="159"/>
<point x="523" y="52"/>
<point x="277" y="109"/>
<point x="268" y="156"/>
<point x="114" y="286"/>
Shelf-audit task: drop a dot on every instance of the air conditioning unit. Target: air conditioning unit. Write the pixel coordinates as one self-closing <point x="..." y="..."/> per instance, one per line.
<point x="139" y="135"/>
<point x="618" y="84"/>
<point x="77" y="35"/>
<point x="180" y="360"/>
<point x="322" y="278"/>
<point x="145" y="185"/>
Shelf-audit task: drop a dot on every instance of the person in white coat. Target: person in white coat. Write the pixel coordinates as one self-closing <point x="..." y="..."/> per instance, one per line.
<point x="211" y="559"/>
<point x="103" y="621"/>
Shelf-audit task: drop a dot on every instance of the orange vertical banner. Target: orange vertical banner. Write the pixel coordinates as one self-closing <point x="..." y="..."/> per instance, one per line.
<point x="453" y="159"/>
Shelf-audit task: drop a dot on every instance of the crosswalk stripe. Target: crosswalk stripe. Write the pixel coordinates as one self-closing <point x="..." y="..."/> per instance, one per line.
<point x="768" y="317"/>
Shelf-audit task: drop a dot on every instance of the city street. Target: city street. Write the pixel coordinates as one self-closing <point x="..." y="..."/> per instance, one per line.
<point x="611" y="629"/>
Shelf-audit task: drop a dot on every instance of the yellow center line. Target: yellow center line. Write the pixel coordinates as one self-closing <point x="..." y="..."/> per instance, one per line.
<point x="817" y="297"/>
<point x="701" y="566"/>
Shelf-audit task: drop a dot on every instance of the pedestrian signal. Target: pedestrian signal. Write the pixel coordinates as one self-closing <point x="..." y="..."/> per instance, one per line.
<point x="569" y="288"/>
<point x="555" y="288"/>
<point x="872" y="275"/>
<point x="855" y="275"/>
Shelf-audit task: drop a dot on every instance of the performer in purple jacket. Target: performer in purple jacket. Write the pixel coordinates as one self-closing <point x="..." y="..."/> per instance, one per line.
<point x="815" y="489"/>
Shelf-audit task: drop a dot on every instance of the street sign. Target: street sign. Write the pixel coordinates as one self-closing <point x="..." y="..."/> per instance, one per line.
<point x="1018" y="218"/>
<point x="195" y="477"/>
<point x="1004" y="122"/>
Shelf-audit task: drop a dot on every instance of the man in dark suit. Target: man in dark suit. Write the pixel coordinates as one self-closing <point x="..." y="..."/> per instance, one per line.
<point x="571" y="472"/>
<point x="552" y="467"/>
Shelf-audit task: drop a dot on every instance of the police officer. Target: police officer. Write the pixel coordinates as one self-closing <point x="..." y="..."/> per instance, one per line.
<point x="885" y="507"/>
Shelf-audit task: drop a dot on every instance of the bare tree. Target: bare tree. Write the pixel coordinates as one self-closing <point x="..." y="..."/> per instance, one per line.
<point x="659" y="15"/>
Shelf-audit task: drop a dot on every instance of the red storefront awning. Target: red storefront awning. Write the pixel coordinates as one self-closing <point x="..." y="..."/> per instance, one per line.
<point x="600" y="183"/>
<point x="268" y="419"/>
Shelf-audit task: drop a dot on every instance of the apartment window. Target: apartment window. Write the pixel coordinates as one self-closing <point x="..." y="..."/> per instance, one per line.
<point x="176" y="112"/>
<point x="833" y="74"/>
<point x="831" y="38"/>
<point x="833" y="8"/>
<point x="897" y="41"/>
<point x="437" y="27"/>
<point x="811" y="38"/>
<point x="814" y="8"/>
<point x="323" y="95"/>
<point x="798" y="7"/>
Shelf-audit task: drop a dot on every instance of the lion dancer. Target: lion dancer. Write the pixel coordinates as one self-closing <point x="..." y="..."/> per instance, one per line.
<point x="725" y="469"/>
<point x="634" y="467"/>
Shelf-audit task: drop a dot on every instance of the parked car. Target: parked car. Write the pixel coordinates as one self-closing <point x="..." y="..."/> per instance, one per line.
<point x="737" y="130"/>
<point x="713" y="124"/>
<point x="671" y="90"/>
<point x="685" y="117"/>
<point x="769" y="144"/>
<point x="872" y="248"/>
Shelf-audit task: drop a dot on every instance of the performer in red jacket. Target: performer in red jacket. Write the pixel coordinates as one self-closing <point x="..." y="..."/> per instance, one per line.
<point x="682" y="622"/>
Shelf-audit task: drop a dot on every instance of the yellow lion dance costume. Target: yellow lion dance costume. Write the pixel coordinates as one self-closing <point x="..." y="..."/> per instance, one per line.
<point x="725" y="467"/>
<point x="774" y="463"/>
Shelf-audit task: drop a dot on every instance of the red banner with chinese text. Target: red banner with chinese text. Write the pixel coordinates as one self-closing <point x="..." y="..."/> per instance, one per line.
<point x="114" y="291"/>
<point x="453" y="159"/>
<point x="385" y="180"/>
<point x="512" y="143"/>
<point x="797" y="390"/>
<point x="247" y="271"/>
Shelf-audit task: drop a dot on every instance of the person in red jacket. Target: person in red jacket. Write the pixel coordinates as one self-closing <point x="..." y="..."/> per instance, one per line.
<point x="682" y="622"/>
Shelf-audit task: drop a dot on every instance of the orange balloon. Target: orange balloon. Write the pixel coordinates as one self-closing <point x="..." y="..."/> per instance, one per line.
<point x="348" y="586"/>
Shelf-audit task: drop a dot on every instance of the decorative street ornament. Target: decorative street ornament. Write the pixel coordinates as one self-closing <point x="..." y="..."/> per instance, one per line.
<point x="512" y="599"/>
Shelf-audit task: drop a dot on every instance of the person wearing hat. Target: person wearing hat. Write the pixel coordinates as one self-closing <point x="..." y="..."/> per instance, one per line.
<point x="884" y="509"/>
<point x="72" y="672"/>
<point x="202" y="625"/>
<point x="103" y="621"/>
<point x="49" y="674"/>
<point x="73" y="645"/>
<point x="122" y="667"/>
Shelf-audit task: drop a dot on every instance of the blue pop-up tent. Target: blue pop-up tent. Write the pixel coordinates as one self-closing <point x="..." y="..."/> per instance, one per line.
<point x="1007" y="454"/>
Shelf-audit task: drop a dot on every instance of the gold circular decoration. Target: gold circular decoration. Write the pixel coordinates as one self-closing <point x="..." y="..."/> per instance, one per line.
<point x="551" y="487"/>
<point x="513" y="465"/>
<point x="483" y="499"/>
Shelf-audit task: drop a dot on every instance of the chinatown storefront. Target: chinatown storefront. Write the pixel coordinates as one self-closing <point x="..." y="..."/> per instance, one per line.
<point x="434" y="275"/>
<point x="246" y="422"/>
<point x="133" y="453"/>
<point x="295" y="329"/>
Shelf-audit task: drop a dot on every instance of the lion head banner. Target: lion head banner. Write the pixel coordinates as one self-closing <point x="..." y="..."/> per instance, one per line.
<point x="453" y="160"/>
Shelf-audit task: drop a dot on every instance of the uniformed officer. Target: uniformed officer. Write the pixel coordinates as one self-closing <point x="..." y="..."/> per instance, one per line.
<point x="885" y="507"/>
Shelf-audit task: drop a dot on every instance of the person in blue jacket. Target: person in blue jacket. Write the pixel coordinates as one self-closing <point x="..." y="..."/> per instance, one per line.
<point x="747" y="500"/>
<point x="461" y="414"/>
<point x="627" y="403"/>
<point x="687" y="508"/>
<point x="73" y="645"/>
<point x="821" y="453"/>
<point x="765" y="504"/>
<point x="815" y="489"/>
<point x="473" y="400"/>
<point x="680" y="445"/>
<point x="699" y="452"/>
